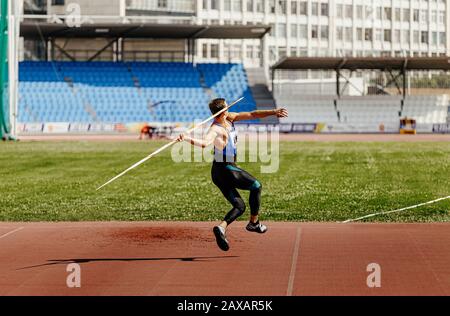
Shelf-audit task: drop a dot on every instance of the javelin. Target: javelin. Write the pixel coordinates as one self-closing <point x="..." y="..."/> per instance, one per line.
<point x="168" y="145"/>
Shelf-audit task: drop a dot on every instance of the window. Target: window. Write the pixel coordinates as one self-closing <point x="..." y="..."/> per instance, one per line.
<point x="303" y="31"/>
<point x="249" y="51"/>
<point x="434" y="38"/>
<point x="214" y="50"/>
<point x="272" y="6"/>
<point x="369" y="12"/>
<point x="324" y="9"/>
<point x="387" y="35"/>
<point x="359" y="12"/>
<point x="424" y="37"/>
<point x="441" y="17"/>
<point x="387" y="14"/>
<point x="324" y="32"/>
<point x="58" y="2"/>
<point x="293" y="51"/>
<point x="205" y="50"/>
<point x="257" y="53"/>
<point x="294" y="30"/>
<point x="303" y="8"/>
<point x="442" y="38"/>
<point x="397" y="35"/>
<point x="406" y="35"/>
<point x="339" y="11"/>
<point x="315" y="8"/>
<point x="406" y="15"/>
<point x="368" y="34"/>
<point x="378" y="35"/>
<point x="237" y="51"/>
<point x="294" y="7"/>
<point x="398" y="14"/>
<point x="273" y="53"/>
<point x="162" y="4"/>
<point x="282" y="7"/>
<point x="416" y="37"/>
<point x="434" y="16"/>
<point x="424" y="16"/>
<point x="314" y="31"/>
<point x="379" y="12"/>
<point x="348" y="34"/>
<point x="249" y="5"/>
<point x="281" y="32"/>
<point x="416" y="15"/>
<point x="260" y="6"/>
<point x="227" y="5"/>
<point x="214" y="4"/>
<point x="359" y="34"/>
<point x="272" y="30"/>
<point x="237" y="5"/>
<point x="349" y="11"/>
<point x="339" y="34"/>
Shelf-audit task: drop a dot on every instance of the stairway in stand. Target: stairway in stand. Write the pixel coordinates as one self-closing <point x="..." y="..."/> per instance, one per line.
<point x="263" y="97"/>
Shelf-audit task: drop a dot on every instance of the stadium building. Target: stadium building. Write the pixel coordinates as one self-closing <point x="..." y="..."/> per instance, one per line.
<point x="300" y="28"/>
<point x="117" y="61"/>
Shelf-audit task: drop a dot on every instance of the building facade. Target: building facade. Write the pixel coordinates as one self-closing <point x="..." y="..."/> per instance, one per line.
<point x="335" y="28"/>
<point x="299" y="27"/>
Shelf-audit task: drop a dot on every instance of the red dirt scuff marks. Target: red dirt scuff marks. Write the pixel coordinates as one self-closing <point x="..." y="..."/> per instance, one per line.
<point x="146" y="235"/>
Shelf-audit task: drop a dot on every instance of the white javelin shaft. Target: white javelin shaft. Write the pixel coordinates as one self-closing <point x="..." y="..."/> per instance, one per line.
<point x="168" y="145"/>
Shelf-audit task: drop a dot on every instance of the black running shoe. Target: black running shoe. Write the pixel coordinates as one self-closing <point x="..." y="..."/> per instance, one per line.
<point x="222" y="241"/>
<point x="256" y="227"/>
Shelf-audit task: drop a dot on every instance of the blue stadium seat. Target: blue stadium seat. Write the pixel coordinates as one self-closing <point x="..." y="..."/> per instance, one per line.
<point x="126" y="92"/>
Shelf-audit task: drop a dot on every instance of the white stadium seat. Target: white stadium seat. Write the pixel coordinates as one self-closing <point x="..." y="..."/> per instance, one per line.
<point x="373" y="110"/>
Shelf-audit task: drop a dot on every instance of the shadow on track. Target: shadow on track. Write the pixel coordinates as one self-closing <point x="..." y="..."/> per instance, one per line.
<point x="88" y="260"/>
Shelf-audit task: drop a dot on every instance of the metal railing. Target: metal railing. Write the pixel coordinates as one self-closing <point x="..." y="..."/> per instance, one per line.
<point x="92" y="19"/>
<point x="158" y="56"/>
<point x="108" y="55"/>
<point x="366" y="82"/>
<point x="84" y="55"/>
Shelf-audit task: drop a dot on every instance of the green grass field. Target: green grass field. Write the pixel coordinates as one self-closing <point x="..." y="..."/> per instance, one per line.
<point x="56" y="181"/>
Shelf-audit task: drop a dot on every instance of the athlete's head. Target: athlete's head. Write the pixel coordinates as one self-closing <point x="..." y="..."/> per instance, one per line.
<point x="217" y="105"/>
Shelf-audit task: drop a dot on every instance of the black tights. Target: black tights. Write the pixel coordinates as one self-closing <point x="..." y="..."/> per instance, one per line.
<point x="228" y="178"/>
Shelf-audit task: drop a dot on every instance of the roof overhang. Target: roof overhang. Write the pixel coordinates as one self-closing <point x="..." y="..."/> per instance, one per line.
<point x="363" y="63"/>
<point x="39" y="30"/>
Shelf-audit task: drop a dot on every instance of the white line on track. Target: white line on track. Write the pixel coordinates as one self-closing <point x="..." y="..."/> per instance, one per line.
<point x="396" y="211"/>
<point x="294" y="263"/>
<point x="11" y="232"/>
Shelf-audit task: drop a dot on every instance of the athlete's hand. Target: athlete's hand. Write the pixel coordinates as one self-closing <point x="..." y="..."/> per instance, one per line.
<point x="281" y="112"/>
<point x="180" y="138"/>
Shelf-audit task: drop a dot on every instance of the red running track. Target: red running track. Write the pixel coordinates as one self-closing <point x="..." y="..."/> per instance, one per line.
<point x="181" y="258"/>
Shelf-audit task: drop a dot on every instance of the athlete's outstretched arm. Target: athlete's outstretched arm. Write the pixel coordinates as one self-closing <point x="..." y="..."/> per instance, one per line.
<point x="205" y="142"/>
<point x="257" y="114"/>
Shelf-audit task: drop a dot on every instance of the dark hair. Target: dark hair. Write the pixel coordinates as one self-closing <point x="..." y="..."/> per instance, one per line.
<point x="216" y="105"/>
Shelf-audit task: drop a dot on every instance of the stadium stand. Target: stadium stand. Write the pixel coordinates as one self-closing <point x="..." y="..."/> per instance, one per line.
<point x="112" y="92"/>
<point x="309" y="109"/>
<point x="230" y="82"/>
<point x="369" y="109"/>
<point x="427" y="109"/>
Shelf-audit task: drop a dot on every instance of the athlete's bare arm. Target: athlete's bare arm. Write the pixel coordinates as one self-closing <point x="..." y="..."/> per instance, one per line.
<point x="209" y="138"/>
<point x="234" y="117"/>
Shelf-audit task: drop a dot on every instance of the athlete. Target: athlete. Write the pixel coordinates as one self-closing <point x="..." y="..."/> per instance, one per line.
<point x="226" y="175"/>
<point x="147" y="130"/>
